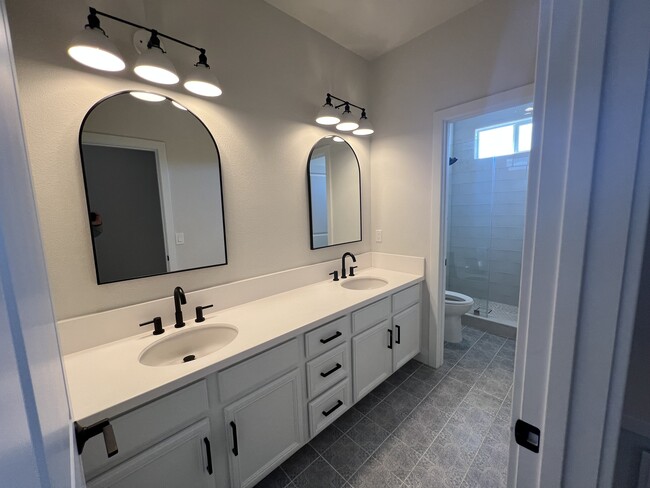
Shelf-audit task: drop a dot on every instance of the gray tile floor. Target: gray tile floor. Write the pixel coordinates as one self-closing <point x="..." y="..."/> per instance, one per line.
<point x="422" y="427"/>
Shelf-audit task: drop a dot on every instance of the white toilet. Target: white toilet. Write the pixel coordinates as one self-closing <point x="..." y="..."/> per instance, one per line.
<point x="456" y="304"/>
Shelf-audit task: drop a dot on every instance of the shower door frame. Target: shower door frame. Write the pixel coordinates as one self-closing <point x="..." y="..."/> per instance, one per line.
<point x="441" y="131"/>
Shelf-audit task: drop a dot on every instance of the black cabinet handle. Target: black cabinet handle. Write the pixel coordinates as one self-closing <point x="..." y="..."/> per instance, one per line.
<point x="399" y="334"/>
<point x="325" y="341"/>
<point x="104" y="427"/>
<point x="390" y="339"/>
<point x="335" y="368"/>
<point x="327" y="413"/>
<point x="208" y="452"/>
<point x="235" y="447"/>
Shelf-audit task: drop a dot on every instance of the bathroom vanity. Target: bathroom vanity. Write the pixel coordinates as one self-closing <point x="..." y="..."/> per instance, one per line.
<point x="299" y="360"/>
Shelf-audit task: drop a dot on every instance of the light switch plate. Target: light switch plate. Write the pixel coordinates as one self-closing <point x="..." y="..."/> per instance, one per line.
<point x="180" y="238"/>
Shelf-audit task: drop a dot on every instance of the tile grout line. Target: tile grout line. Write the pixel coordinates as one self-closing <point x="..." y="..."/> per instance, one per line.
<point x="493" y="420"/>
<point x="463" y="399"/>
<point x="345" y="433"/>
<point x="390" y="433"/>
<point x="483" y="441"/>
<point x="452" y="413"/>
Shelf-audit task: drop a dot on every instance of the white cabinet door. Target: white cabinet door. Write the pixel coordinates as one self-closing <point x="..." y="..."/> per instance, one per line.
<point x="184" y="459"/>
<point x="264" y="428"/>
<point x="406" y="336"/>
<point x="372" y="358"/>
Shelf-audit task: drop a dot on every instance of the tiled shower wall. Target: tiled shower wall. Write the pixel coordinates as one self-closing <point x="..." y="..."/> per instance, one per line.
<point x="486" y="219"/>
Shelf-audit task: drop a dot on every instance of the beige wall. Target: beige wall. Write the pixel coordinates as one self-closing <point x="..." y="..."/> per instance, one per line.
<point x="274" y="71"/>
<point x="485" y="50"/>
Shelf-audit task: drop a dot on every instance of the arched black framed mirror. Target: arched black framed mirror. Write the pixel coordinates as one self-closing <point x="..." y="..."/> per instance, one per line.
<point x="334" y="182"/>
<point x="153" y="182"/>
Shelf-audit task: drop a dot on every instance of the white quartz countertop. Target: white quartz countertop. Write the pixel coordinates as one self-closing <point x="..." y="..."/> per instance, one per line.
<point x="108" y="380"/>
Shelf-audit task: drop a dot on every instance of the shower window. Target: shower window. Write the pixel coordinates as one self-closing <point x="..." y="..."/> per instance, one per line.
<point x="504" y="139"/>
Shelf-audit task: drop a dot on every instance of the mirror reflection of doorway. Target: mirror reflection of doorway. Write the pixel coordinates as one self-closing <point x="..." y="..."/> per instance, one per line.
<point x="124" y="188"/>
<point x="319" y="200"/>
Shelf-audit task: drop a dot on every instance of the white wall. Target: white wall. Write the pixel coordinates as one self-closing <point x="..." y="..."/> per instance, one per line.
<point x="487" y="49"/>
<point x="274" y="71"/>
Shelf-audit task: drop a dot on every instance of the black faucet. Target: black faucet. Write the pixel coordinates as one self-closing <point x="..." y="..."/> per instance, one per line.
<point x="179" y="299"/>
<point x="343" y="271"/>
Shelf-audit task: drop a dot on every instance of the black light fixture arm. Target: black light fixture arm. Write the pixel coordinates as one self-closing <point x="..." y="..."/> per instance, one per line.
<point x="344" y="102"/>
<point x="94" y="23"/>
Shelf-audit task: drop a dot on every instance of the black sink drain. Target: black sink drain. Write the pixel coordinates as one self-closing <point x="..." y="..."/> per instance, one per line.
<point x="189" y="358"/>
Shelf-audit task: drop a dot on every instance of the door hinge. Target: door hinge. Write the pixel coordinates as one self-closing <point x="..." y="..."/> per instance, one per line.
<point x="527" y="435"/>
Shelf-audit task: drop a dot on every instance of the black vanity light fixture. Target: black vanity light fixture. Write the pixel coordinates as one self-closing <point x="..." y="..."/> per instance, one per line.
<point x="93" y="48"/>
<point x="345" y="121"/>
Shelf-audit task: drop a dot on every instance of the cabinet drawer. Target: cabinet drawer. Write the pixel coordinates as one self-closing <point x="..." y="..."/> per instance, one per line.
<point x="328" y="407"/>
<point x="327" y="370"/>
<point x="257" y="371"/>
<point x="406" y="298"/>
<point x="144" y="426"/>
<point x="327" y="336"/>
<point x="370" y="315"/>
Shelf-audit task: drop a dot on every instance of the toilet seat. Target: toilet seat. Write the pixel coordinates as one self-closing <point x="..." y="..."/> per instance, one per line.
<point x="455" y="298"/>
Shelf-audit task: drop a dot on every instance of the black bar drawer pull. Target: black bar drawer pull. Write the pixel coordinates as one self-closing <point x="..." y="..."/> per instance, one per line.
<point x="399" y="334"/>
<point x="390" y="339"/>
<point x="104" y="427"/>
<point x="208" y="453"/>
<point x="335" y="368"/>
<point x="327" y="413"/>
<point x="235" y="447"/>
<point x="325" y="341"/>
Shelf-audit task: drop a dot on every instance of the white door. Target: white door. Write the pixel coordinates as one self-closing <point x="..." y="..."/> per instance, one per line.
<point x="264" y="428"/>
<point x="372" y="357"/>
<point x="406" y="336"/>
<point x="35" y="423"/>
<point x="589" y="194"/>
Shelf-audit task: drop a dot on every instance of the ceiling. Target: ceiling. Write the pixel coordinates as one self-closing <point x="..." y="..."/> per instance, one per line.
<point x="371" y="28"/>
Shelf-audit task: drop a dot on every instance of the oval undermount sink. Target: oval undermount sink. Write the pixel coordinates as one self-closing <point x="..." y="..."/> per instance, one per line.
<point x="187" y="345"/>
<point x="363" y="283"/>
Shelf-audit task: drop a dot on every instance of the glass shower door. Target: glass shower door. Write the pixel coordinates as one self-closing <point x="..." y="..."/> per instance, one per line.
<point x="486" y="190"/>
<point x="469" y="225"/>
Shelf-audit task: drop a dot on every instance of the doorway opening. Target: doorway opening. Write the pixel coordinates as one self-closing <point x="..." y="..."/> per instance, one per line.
<point x="487" y="176"/>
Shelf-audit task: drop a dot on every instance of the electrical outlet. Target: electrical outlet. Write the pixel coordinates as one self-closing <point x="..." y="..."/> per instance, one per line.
<point x="378" y="235"/>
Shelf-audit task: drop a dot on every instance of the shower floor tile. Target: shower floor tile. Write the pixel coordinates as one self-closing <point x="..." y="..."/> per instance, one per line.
<point x="453" y="427"/>
<point x="498" y="312"/>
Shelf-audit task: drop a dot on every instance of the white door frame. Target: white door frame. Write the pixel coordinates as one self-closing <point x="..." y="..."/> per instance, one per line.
<point x="441" y="124"/>
<point x="164" y="181"/>
<point x="38" y="447"/>
<point x="586" y="217"/>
